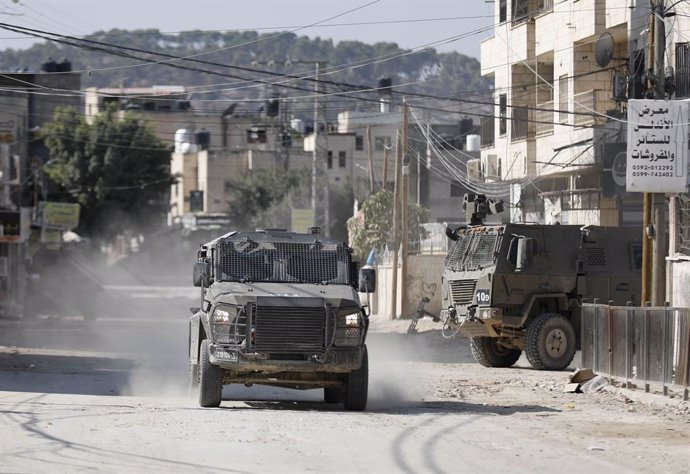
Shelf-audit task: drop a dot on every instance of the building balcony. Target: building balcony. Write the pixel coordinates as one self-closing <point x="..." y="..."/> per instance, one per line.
<point x="591" y="106"/>
<point x="589" y="19"/>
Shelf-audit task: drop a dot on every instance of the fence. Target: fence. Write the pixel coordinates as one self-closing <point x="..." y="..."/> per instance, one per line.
<point x="684" y="240"/>
<point x="640" y="344"/>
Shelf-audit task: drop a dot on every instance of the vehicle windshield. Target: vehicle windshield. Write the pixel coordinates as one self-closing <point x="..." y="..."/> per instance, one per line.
<point x="312" y="262"/>
<point x="472" y="251"/>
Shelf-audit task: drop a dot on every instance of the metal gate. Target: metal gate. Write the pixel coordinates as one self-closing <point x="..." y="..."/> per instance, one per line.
<point x="642" y="345"/>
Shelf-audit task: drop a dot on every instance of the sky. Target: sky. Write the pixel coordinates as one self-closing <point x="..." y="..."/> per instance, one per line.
<point x="447" y="25"/>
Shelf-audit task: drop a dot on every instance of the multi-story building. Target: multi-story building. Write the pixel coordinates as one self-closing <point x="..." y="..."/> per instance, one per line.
<point x="431" y="185"/>
<point x="559" y="115"/>
<point x="563" y="72"/>
<point x="24" y="109"/>
<point x="166" y="108"/>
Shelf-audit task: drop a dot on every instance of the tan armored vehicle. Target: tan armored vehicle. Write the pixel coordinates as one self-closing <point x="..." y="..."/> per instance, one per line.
<point x="518" y="287"/>
<point x="280" y="308"/>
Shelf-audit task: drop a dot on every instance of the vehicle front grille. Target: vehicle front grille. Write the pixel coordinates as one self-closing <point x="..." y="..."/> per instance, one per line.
<point x="462" y="291"/>
<point x="289" y="329"/>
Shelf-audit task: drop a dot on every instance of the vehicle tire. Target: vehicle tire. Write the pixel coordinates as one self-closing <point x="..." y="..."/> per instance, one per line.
<point x="333" y="394"/>
<point x="550" y="342"/>
<point x="210" y="379"/>
<point x="357" y="386"/>
<point x="489" y="353"/>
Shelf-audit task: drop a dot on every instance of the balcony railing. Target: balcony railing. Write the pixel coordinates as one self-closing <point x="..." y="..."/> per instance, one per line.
<point x="544" y="118"/>
<point x="488" y="132"/>
<point x="591" y="106"/>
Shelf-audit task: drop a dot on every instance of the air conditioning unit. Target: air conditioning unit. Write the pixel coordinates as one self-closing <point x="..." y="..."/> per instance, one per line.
<point x="492" y="167"/>
<point x="474" y="169"/>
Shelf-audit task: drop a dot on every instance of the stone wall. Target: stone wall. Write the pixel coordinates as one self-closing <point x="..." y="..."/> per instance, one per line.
<point x="423" y="279"/>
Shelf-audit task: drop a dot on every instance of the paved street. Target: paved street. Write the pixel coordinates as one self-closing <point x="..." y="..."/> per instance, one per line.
<point x="107" y="394"/>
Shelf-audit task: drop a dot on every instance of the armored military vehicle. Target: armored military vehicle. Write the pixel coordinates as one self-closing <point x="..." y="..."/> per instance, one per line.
<point x="519" y="287"/>
<point x="280" y="308"/>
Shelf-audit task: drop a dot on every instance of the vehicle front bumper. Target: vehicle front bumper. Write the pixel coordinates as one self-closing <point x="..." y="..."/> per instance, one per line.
<point x="480" y="322"/>
<point x="332" y="360"/>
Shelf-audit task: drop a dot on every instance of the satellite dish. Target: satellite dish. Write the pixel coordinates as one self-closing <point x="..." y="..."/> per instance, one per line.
<point x="619" y="168"/>
<point x="603" y="52"/>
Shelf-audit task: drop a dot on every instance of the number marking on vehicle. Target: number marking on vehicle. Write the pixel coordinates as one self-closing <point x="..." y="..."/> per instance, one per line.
<point x="483" y="297"/>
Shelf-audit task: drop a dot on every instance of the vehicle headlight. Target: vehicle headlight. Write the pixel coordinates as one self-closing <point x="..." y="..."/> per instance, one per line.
<point x="349" y="328"/>
<point x="224" y="314"/>
<point x="229" y="324"/>
<point x="352" y="320"/>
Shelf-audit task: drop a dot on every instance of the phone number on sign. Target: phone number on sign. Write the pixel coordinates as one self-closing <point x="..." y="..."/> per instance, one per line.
<point x="653" y="174"/>
<point x="653" y="168"/>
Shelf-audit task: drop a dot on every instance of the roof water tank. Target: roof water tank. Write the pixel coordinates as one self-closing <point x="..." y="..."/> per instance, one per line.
<point x="297" y="125"/>
<point x="473" y="143"/>
<point x="49" y="66"/>
<point x="185" y="141"/>
<point x="64" y="66"/>
<point x="385" y="85"/>
<point x="203" y="139"/>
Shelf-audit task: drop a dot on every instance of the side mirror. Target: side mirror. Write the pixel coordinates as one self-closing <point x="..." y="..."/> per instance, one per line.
<point x="201" y="273"/>
<point x="354" y="275"/>
<point x="367" y="279"/>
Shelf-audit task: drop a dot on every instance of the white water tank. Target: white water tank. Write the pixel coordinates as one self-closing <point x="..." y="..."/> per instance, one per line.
<point x="473" y="143"/>
<point x="297" y="125"/>
<point x="185" y="141"/>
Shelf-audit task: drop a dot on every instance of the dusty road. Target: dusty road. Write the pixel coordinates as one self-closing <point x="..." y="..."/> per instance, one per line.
<point x="108" y="395"/>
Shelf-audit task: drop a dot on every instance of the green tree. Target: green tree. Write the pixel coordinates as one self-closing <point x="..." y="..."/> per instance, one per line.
<point x="373" y="227"/>
<point x="116" y="168"/>
<point x="264" y="198"/>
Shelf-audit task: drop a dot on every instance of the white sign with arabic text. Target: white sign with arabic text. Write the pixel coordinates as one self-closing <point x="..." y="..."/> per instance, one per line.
<point x="657" y="146"/>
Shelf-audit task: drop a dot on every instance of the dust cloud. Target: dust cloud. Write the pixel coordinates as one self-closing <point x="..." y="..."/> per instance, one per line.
<point x="123" y="325"/>
<point x="97" y="313"/>
<point x="397" y="380"/>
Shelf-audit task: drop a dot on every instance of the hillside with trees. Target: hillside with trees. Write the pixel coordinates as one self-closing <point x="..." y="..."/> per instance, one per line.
<point x="351" y="62"/>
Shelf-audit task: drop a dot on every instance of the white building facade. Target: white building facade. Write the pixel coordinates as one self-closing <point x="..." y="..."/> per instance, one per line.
<point x="563" y="72"/>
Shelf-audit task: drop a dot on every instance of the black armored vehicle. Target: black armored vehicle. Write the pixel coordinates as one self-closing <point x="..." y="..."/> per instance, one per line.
<point x="280" y="308"/>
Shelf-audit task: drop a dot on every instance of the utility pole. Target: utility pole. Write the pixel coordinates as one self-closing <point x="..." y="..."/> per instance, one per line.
<point x="372" y="172"/>
<point x="319" y="178"/>
<point x="653" y="244"/>
<point x="396" y="224"/>
<point x="404" y="300"/>
<point x="384" y="179"/>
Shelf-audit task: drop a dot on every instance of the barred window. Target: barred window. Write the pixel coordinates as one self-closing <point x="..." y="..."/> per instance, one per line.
<point x="502" y="114"/>
<point x="684" y="240"/>
<point x="682" y="70"/>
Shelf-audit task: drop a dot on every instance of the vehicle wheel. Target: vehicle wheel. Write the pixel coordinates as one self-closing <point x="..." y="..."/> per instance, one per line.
<point x="357" y="386"/>
<point x="489" y="353"/>
<point x="333" y="394"/>
<point x="210" y="379"/>
<point x="550" y="342"/>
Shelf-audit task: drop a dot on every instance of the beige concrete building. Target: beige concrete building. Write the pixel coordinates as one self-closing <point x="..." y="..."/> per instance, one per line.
<point x="167" y="109"/>
<point x="431" y="186"/>
<point x="560" y="124"/>
<point x="559" y="115"/>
